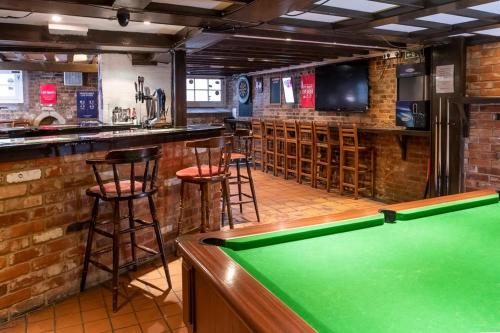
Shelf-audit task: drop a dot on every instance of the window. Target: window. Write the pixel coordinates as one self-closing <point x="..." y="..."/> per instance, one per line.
<point x="11" y="87"/>
<point x="204" y="91"/>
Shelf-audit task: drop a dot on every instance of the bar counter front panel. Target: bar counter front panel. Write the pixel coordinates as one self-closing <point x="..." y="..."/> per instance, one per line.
<point x="44" y="211"/>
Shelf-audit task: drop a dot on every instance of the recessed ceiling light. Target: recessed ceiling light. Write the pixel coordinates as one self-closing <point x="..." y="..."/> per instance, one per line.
<point x="288" y="39"/>
<point x="465" y="34"/>
<point x="400" y="27"/>
<point x="366" y="6"/>
<point x="491" y="7"/>
<point x="447" y="19"/>
<point x="489" y="32"/>
<point x="147" y="22"/>
<point x="56" y="18"/>
<point x="314" y="17"/>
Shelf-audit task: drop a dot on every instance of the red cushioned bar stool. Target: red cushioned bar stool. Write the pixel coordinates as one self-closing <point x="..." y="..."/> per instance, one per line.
<point x="137" y="182"/>
<point x="217" y="152"/>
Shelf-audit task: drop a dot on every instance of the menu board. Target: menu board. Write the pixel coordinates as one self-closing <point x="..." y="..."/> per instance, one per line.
<point x="275" y="90"/>
<point x="86" y="104"/>
<point x="307" y="91"/>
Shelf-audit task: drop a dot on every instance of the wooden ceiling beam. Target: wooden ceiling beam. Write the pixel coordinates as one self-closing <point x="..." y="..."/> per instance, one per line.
<point x="48" y="67"/>
<point x="264" y="10"/>
<point x="133" y="4"/>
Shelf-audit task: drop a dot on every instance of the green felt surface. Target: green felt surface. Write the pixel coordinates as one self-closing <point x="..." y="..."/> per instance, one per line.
<point x="439" y="273"/>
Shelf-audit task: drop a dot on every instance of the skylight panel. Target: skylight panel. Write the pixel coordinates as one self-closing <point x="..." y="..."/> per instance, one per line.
<point x="366" y="6"/>
<point x="314" y="17"/>
<point x="400" y="27"/>
<point x="447" y="19"/>
<point x="491" y="7"/>
<point x="490" y="32"/>
<point x="465" y="34"/>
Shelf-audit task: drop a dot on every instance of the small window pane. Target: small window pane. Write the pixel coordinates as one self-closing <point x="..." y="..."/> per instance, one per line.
<point x="201" y="95"/>
<point x="214" y="96"/>
<point x="214" y="84"/>
<point x="190" y="96"/>
<point x="190" y="83"/>
<point x="201" y="84"/>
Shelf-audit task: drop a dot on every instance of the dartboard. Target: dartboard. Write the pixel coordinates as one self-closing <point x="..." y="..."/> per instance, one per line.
<point x="243" y="85"/>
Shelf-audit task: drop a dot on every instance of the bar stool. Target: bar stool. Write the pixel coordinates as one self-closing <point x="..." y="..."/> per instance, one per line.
<point x="291" y="149"/>
<point x="257" y="143"/>
<point x="270" y="146"/>
<point x="350" y="165"/>
<point x="280" y="152"/>
<point x="215" y="171"/>
<point x="306" y="147"/>
<point x="116" y="191"/>
<point x="242" y="143"/>
<point x="324" y="160"/>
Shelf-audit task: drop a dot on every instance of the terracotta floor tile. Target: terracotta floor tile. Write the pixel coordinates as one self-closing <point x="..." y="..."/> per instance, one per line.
<point x="130" y="329"/>
<point x="70" y="329"/>
<point x="66" y="308"/>
<point x="98" y="326"/>
<point x="68" y="320"/>
<point x="91" y="303"/>
<point x="93" y="315"/>
<point x="123" y="309"/>
<point x="181" y="330"/>
<point x="175" y="322"/>
<point x="171" y="309"/>
<point x="47" y="313"/>
<point x="148" y="315"/>
<point x="169" y="298"/>
<point x="155" y="326"/>
<point x="15" y="326"/>
<point x="122" y="321"/>
<point x="41" y="326"/>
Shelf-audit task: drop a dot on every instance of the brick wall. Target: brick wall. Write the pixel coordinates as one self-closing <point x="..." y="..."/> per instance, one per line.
<point x="482" y="148"/>
<point x="66" y="96"/>
<point x="43" y="229"/>
<point x="396" y="180"/>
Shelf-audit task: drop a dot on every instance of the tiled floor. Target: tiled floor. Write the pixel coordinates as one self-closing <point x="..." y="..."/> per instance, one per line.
<point x="152" y="308"/>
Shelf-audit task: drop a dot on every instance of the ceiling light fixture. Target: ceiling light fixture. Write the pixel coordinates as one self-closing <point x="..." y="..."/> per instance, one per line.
<point x="365" y="6"/>
<point x="465" y="34"/>
<point x="447" y="19"/>
<point x="314" y="17"/>
<point x="400" y="27"/>
<point x="147" y="22"/>
<point x="312" y="42"/>
<point x="491" y="7"/>
<point x="490" y="32"/>
<point x="56" y="18"/>
<point x="66" y="29"/>
<point x="80" y="58"/>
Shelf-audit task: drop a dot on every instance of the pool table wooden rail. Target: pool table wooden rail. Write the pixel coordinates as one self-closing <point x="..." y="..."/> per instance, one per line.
<point x="221" y="297"/>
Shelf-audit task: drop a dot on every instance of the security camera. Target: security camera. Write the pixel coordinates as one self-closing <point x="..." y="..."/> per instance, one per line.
<point x="123" y="16"/>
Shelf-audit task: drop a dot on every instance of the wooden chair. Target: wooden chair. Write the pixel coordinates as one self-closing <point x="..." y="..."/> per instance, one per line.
<point x="215" y="170"/>
<point x="352" y="163"/>
<point x="291" y="150"/>
<point x="270" y="146"/>
<point x="280" y="152"/>
<point x="306" y="148"/>
<point x="324" y="162"/>
<point x="242" y="143"/>
<point x="257" y="143"/>
<point x="120" y="189"/>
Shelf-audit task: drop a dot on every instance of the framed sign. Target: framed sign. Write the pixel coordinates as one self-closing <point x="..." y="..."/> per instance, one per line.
<point x="259" y="85"/>
<point x="86" y="104"/>
<point x="48" y="94"/>
<point x="275" y="90"/>
<point x="307" y="91"/>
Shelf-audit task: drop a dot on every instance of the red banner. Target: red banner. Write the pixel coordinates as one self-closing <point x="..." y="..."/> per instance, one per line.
<point x="48" y="94"/>
<point x="307" y="91"/>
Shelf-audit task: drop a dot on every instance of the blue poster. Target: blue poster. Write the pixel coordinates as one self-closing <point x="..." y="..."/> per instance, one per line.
<point x="86" y="104"/>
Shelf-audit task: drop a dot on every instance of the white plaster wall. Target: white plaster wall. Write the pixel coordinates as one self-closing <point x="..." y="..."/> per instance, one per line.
<point x="118" y="77"/>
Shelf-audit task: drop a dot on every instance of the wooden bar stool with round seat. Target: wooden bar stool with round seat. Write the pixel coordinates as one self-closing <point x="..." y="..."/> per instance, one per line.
<point x="356" y="162"/>
<point x="257" y="143"/>
<point x="216" y="170"/>
<point x="141" y="183"/>
<point x="306" y="149"/>
<point x="291" y="150"/>
<point x="270" y="146"/>
<point x="324" y="148"/>
<point x="242" y="152"/>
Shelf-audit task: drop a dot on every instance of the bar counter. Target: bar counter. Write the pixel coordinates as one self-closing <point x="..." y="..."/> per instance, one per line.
<point x="45" y="213"/>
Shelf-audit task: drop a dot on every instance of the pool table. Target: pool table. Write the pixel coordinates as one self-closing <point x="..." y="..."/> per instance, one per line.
<point x="424" y="266"/>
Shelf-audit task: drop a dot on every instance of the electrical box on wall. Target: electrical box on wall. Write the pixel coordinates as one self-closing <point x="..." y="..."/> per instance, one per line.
<point x="73" y="79"/>
<point x="412" y="106"/>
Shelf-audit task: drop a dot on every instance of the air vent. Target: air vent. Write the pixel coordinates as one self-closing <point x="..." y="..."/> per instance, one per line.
<point x="73" y="79"/>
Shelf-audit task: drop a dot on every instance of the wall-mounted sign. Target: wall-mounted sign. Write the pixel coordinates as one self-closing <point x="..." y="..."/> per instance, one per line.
<point x="48" y="94"/>
<point x="275" y="90"/>
<point x="86" y="104"/>
<point x="307" y="91"/>
<point x="259" y="85"/>
<point x="444" y="79"/>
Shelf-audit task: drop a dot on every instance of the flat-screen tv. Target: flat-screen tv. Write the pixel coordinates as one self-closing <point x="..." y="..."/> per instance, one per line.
<point x="342" y="87"/>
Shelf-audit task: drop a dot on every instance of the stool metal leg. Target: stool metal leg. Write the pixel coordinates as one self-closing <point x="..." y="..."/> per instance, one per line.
<point x="238" y="177"/>
<point x="179" y="221"/>
<point x="159" y="239"/>
<point x="227" y="198"/>
<point x="203" y="207"/>
<point x="252" y="189"/>
<point x="132" y="232"/>
<point x="88" y="248"/>
<point x="116" y="251"/>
